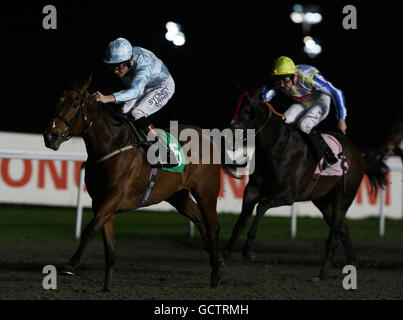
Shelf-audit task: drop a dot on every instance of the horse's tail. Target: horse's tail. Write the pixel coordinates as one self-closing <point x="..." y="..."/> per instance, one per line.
<point x="376" y="170"/>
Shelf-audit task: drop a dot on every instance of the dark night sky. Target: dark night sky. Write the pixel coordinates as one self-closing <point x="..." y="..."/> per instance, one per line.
<point x="224" y="44"/>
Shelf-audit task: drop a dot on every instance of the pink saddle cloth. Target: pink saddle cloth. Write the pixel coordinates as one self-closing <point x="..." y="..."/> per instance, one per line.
<point x="335" y="169"/>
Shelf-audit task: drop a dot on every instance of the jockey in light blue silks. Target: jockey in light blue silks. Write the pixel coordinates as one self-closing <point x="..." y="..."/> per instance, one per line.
<point x="312" y="94"/>
<point x="150" y="83"/>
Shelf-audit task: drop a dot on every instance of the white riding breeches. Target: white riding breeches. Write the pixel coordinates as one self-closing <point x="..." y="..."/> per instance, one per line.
<point x="152" y="100"/>
<point x="306" y="117"/>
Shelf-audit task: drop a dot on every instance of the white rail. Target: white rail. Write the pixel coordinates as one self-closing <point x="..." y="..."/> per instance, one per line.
<point x="78" y="156"/>
<point x="51" y="155"/>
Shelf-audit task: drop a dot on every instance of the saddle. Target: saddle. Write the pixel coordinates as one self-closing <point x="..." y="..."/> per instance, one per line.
<point x="333" y="143"/>
<point x="167" y="138"/>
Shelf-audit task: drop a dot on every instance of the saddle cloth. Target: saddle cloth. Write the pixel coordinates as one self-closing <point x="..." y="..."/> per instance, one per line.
<point x="337" y="168"/>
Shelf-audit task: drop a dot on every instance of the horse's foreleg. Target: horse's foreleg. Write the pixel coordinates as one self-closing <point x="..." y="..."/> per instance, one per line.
<point x="285" y="197"/>
<point x="74" y="262"/>
<point x="108" y="235"/>
<point x="102" y="215"/>
<point x="250" y="199"/>
<point x="248" y="249"/>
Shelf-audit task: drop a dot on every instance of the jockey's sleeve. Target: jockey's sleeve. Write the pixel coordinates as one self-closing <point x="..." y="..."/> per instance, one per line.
<point x="143" y="72"/>
<point x="268" y="94"/>
<point x="324" y="86"/>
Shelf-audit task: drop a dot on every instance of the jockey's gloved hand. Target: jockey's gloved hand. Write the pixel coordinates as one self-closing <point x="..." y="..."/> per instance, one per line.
<point x="265" y="90"/>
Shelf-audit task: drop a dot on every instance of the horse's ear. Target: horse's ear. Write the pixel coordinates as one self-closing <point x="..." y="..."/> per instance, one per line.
<point x="239" y="87"/>
<point x="86" y="84"/>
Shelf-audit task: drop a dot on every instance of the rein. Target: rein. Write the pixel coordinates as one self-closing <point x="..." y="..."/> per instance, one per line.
<point x="271" y="111"/>
<point x="70" y="124"/>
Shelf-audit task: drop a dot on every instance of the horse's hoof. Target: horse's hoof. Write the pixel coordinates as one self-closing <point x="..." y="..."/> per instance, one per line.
<point x="105" y="289"/>
<point x="215" y="279"/>
<point x="323" y="276"/>
<point x="67" y="270"/>
<point x="316" y="279"/>
<point x="249" y="255"/>
<point x="226" y="254"/>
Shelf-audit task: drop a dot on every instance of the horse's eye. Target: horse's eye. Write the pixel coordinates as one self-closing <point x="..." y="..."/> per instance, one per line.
<point x="75" y="105"/>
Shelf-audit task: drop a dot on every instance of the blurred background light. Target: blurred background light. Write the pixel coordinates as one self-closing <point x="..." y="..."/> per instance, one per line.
<point x="312" y="17"/>
<point x="297" y="17"/>
<point x="179" y="39"/>
<point x="174" y="33"/>
<point x="311" y="48"/>
<point x="308" y="15"/>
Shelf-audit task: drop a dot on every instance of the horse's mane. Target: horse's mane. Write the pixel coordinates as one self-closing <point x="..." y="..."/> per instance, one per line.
<point x="115" y="114"/>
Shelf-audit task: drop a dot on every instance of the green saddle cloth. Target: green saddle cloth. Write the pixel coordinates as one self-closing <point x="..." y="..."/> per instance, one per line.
<point x="176" y="149"/>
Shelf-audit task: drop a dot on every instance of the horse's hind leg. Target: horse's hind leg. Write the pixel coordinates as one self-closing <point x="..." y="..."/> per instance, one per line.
<point x="346" y="241"/>
<point x="207" y="202"/>
<point x="187" y="207"/>
<point x="108" y="235"/>
<point x="334" y="207"/>
<point x="326" y="206"/>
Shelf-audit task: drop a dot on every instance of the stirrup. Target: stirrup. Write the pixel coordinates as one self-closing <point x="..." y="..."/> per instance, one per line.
<point x="166" y="165"/>
<point x="328" y="161"/>
<point x="160" y="165"/>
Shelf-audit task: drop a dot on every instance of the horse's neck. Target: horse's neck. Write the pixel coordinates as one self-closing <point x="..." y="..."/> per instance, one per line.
<point x="275" y="137"/>
<point x="103" y="137"/>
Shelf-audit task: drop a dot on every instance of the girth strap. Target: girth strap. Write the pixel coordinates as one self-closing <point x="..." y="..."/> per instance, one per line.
<point x="150" y="186"/>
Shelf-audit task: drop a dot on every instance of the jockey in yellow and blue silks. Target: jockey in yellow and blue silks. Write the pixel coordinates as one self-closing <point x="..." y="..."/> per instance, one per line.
<point x="312" y="94"/>
<point x="149" y="81"/>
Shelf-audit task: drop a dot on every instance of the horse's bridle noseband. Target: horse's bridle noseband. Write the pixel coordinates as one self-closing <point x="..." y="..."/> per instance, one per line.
<point x="254" y="103"/>
<point x="70" y="124"/>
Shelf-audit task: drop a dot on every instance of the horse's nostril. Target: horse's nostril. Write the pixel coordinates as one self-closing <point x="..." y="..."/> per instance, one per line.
<point x="52" y="136"/>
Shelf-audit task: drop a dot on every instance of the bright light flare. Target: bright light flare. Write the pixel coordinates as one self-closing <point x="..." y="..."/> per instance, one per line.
<point x="311" y="48"/>
<point x="174" y="33"/>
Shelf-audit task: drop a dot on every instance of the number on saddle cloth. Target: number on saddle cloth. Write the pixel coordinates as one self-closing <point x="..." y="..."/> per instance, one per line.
<point x="176" y="149"/>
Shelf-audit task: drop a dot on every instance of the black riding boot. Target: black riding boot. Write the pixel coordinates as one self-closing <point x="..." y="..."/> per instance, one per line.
<point x="322" y="150"/>
<point x="146" y="126"/>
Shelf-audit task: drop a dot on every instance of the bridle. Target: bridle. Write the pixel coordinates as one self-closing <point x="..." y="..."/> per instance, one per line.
<point x="254" y="103"/>
<point x="71" y="123"/>
<point x="88" y="123"/>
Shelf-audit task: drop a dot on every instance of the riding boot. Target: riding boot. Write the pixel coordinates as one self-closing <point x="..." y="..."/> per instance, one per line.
<point x="321" y="149"/>
<point x="148" y="128"/>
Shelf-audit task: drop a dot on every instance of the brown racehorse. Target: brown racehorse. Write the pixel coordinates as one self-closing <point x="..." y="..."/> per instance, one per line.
<point x="118" y="183"/>
<point x="284" y="174"/>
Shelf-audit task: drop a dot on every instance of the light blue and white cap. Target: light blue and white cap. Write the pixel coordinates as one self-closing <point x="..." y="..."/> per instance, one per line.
<point x="118" y="50"/>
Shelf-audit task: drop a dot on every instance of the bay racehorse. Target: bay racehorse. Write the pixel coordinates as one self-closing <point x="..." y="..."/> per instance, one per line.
<point x="117" y="175"/>
<point x="284" y="174"/>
